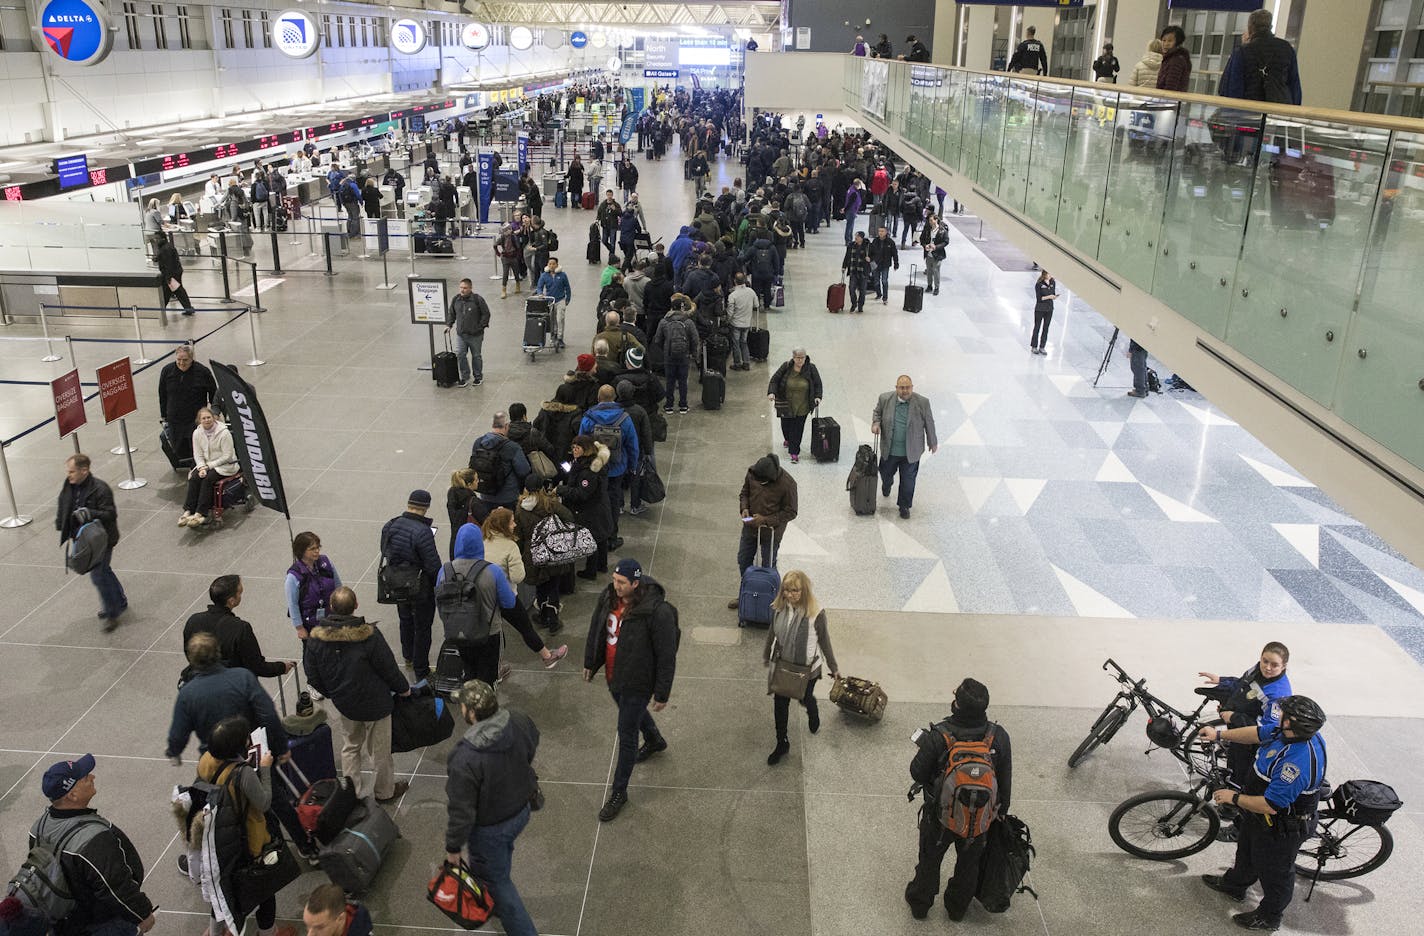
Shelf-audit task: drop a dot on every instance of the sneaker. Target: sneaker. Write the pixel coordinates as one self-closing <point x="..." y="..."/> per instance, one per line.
<point x="615" y="804"/>
<point x="1215" y="882"/>
<point x="639" y="510"/>
<point x="111" y="624"/>
<point x="775" y="756"/>
<point x="615" y="544"/>
<point x="477" y="381"/>
<point x="503" y="672"/>
<point x="682" y="411"/>
<point x="183" y="865"/>
<point x="734" y="604"/>
<point x="1228" y="832"/>
<point x="904" y="513"/>
<point x="1254" y="921"/>
<point x="462" y="383"/>
<point x="885" y="490"/>
<point x="667" y="411"/>
<point x="650" y="748"/>
<point x="795" y="459"/>
<point x="198" y="520"/>
<point x="555" y="656"/>
<point x="1134" y="393"/>
<point x="396" y="792"/>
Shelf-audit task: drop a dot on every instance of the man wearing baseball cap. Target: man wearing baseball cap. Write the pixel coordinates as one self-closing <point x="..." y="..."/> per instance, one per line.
<point x="633" y="637"/>
<point x="101" y="867"/>
<point x="409" y="540"/>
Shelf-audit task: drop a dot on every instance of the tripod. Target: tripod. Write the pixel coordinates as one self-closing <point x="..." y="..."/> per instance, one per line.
<point x="1107" y="357"/>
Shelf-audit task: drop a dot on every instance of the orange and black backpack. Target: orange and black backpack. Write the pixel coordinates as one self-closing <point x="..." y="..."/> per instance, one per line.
<point x="966" y="794"/>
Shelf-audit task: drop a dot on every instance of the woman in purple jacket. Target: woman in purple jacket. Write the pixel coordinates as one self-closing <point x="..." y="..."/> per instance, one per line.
<point x="310" y="582"/>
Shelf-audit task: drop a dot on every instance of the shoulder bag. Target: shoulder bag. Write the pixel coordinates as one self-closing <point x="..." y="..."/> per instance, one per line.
<point x="787" y="679"/>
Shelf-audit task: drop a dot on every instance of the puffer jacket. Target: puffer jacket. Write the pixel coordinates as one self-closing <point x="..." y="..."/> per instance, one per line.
<point x="585" y="492"/>
<point x="407" y="540"/>
<point x="647" y="642"/>
<point x="490" y="774"/>
<point x="559" y="424"/>
<point x="348" y="661"/>
<point x="1144" y="73"/>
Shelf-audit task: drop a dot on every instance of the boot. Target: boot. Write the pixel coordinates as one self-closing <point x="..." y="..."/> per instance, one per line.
<point x="550" y="614"/>
<point x="782" y="746"/>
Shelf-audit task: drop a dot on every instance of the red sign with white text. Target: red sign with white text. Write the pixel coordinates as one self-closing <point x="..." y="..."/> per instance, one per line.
<point x="116" y="390"/>
<point x="68" y="403"/>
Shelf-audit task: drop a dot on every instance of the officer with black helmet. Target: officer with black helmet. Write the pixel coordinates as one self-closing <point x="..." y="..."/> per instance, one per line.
<point x="1277" y="805"/>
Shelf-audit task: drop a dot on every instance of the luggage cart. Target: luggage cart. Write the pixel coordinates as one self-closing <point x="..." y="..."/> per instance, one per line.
<point x="538" y="325"/>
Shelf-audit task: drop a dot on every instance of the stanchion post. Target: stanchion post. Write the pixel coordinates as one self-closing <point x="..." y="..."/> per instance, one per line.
<point x="326" y="246"/>
<point x="256" y="299"/>
<point x="138" y="334"/>
<point x="276" y="255"/>
<point x="252" y="330"/>
<point x="222" y="260"/>
<point x="49" y="346"/>
<point x="133" y="483"/>
<point x="16" y="519"/>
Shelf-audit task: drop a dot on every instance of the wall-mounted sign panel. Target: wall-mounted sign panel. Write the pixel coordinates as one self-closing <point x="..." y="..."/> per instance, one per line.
<point x="578" y="39"/>
<point x="76" y="30"/>
<point x="407" y="36"/>
<point x="521" y="37"/>
<point x="294" y="33"/>
<point x="475" y="36"/>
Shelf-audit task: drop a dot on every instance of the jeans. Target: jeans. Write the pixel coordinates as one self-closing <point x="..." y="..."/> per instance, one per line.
<point x="882" y="282"/>
<point x="259" y="214"/>
<point x="416" y="619"/>
<point x="792" y="429"/>
<point x="676" y="373"/>
<point x="850" y="226"/>
<point x="908" y="470"/>
<point x="935" y="840"/>
<point x="855" y="282"/>
<point x="740" y="353"/>
<point x="491" y="860"/>
<point x="1137" y="355"/>
<point x="112" y="599"/>
<point x="752" y="536"/>
<point x="609" y="236"/>
<point x="1041" y="321"/>
<point x="474" y="345"/>
<point x="353" y="225"/>
<point x="781" y="708"/>
<point x="633" y="719"/>
<point x="932" y="272"/>
<point x="908" y="231"/>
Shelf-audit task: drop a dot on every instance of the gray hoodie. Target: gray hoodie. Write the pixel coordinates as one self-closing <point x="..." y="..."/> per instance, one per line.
<point x="490" y="774"/>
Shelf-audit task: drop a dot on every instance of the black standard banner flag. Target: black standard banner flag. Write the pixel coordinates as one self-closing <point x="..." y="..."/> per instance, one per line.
<point x="250" y="437"/>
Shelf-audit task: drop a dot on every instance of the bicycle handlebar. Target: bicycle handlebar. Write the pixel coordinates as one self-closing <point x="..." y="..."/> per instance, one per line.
<point x="1139" y="688"/>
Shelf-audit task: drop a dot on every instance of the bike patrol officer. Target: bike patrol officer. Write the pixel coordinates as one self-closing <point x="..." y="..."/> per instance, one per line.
<point x="1277" y="805"/>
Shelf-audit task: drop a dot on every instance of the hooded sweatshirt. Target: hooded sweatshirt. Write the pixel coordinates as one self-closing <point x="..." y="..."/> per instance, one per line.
<point x="490" y="774"/>
<point x="494" y="584"/>
<point x="769" y="492"/>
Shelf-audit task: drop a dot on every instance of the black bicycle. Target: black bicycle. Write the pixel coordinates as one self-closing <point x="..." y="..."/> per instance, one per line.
<point x="1167" y="825"/>
<point x="1167" y="727"/>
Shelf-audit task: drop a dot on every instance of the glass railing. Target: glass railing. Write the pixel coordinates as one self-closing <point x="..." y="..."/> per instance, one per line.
<point x="1296" y="237"/>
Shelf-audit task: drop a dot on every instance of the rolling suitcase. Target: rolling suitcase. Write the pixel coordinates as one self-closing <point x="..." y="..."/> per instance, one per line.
<point x="825" y="438"/>
<point x="312" y="754"/>
<point x="354" y="856"/>
<point x="594" y="254"/>
<point x="835" y="297"/>
<point x="440" y="245"/>
<point x="561" y="199"/>
<point x="590" y="201"/>
<point x="914" y="295"/>
<point x="445" y="367"/>
<point x="861" y="482"/>
<point x="856" y="696"/>
<point x="179" y="464"/>
<point x="759" y="586"/>
<point x="537" y="319"/>
<point x="758" y="342"/>
<point x="714" y="385"/>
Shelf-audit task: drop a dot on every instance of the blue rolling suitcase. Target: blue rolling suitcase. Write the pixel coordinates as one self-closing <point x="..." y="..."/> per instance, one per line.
<point x="759" y="586"/>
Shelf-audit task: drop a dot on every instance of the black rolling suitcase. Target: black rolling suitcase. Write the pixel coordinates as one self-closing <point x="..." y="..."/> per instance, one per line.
<point x="825" y="438"/>
<point x="714" y="385"/>
<point x="914" y="295"/>
<point x="758" y="342"/>
<point x="445" y="367"/>
<point x="179" y="464"/>
<point x="594" y="253"/>
<point x="538" y="318"/>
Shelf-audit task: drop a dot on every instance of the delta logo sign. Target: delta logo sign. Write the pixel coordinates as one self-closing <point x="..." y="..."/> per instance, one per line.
<point x="294" y="33"/>
<point x="76" y="30"/>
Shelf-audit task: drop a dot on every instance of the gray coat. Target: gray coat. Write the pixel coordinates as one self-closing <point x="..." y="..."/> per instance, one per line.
<point x="919" y="431"/>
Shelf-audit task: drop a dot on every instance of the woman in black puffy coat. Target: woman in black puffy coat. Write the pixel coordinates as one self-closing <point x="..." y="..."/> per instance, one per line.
<point x="585" y="492"/>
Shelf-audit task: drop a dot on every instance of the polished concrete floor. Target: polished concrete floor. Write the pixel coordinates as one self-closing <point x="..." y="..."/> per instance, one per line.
<point x="1060" y="524"/>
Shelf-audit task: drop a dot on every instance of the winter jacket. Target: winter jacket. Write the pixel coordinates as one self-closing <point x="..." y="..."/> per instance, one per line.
<point x="854" y="199"/>
<point x="516" y="466"/>
<point x="585" y="492"/>
<point x="489" y="774"/>
<point x="1176" y="70"/>
<point x="559" y="424"/>
<point x="638" y="416"/>
<point x="856" y="261"/>
<point x="657" y="296"/>
<point x="102" y="867"/>
<point x="182" y="393"/>
<point x="530" y="440"/>
<point x="555" y="285"/>
<point x="769" y="492"/>
<point x="928" y="762"/>
<point x="470" y="315"/>
<point x="628" y="227"/>
<point x="93" y="494"/>
<point x="1144" y="73"/>
<point x="680" y="249"/>
<point x="710" y="228"/>
<point x="526" y="517"/>
<point x="777" y="385"/>
<point x="647" y="642"/>
<point x="349" y="662"/>
<point x="216" y="451"/>
<point x="742" y="305"/>
<point x="1245" y="73"/>
<point x="609" y="414"/>
<point x="791" y="634"/>
<point x="635" y="283"/>
<point x="664" y="336"/>
<point x="882" y="252"/>
<point x="236" y="641"/>
<point x="648" y="390"/>
<point x="504" y="552"/>
<point x="212" y="694"/>
<point x="619" y="339"/>
<point x="408" y="540"/>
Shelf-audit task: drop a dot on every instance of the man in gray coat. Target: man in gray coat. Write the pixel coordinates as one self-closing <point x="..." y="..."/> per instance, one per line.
<point x="469" y="316"/>
<point x="904" y="422"/>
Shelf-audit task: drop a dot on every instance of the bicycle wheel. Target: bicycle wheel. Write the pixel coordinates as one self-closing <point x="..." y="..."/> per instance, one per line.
<point x="1163" y="825"/>
<point x="1341" y="849"/>
<point x="1102" y="732"/>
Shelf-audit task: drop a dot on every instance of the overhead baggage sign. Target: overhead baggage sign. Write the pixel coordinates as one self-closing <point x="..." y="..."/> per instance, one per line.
<point x="76" y="30"/>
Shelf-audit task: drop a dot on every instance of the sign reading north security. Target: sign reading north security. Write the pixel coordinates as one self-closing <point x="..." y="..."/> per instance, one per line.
<point x="475" y="36"/>
<point x="295" y="34"/>
<point x="76" y="30"/>
<point x="407" y="36"/>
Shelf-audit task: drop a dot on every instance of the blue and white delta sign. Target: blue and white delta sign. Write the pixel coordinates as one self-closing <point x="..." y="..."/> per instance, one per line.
<point x="294" y="33"/>
<point x="76" y="30"/>
<point x="578" y="39"/>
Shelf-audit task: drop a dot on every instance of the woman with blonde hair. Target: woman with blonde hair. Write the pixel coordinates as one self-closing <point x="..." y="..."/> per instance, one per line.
<point x="461" y="504"/>
<point x="214" y="458"/>
<point x="796" y="641"/>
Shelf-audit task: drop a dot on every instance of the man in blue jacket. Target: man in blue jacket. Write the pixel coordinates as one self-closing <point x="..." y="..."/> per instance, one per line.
<point x="410" y="540"/>
<point x="1263" y="67"/>
<point x="213" y="692"/>
<point x="608" y="422"/>
<point x="678" y="252"/>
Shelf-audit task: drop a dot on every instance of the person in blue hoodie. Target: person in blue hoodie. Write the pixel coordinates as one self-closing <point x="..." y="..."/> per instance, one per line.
<point x="628" y="229"/>
<point x="601" y="422"/>
<point x="482" y="656"/>
<point x="678" y="252"/>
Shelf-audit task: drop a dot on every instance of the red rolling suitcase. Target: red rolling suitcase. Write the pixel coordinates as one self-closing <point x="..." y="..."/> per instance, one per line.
<point x="590" y="201"/>
<point x="835" y="297"/>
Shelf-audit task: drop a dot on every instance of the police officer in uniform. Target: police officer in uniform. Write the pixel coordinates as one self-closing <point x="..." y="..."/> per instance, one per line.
<point x="1277" y="805"/>
<point x="968" y="721"/>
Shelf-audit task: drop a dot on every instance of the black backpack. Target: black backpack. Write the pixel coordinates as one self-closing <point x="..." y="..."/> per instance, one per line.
<point x="679" y="346"/>
<point x="1154" y="383"/>
<point x="459" y="603"/>
<point x="490" y="469"/>
<point x="764" y="260"/>
<point x="1007" y="854"/>
<point x="1274" y="89"/>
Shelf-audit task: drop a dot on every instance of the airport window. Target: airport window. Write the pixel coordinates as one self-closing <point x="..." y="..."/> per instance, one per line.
<point x="185" y="37"/>
<point x="225" y="19"/>
<point x="265" y="27"/>
<point x="326" y="30"/>
<point x="131" y="25"/>
<point x="160" y="28"/>
<point x="365" y="34"/>
<point x="247" y="29"/>
<point x="378" y="32"/>
<point x="1418" y="44"/>
<point x="1387" y="43"/>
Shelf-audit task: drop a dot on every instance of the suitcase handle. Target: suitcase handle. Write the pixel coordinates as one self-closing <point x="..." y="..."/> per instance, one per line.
<point x="281" y="685"/>
<point x="448" y="346"/>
